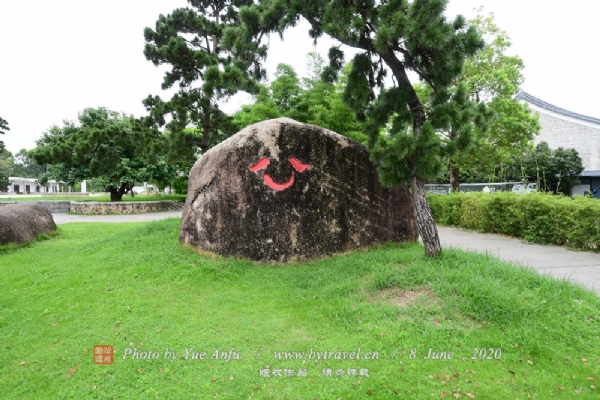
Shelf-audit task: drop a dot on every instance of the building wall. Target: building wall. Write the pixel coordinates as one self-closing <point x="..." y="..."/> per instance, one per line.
<point x="33" y="186"/>
<point x="561" y="133"/>
<point x="594" y="185"/>
<point x="22" y="185"/>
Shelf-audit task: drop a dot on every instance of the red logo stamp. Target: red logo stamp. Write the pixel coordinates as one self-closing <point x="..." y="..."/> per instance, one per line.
<point x="103" y="354"/>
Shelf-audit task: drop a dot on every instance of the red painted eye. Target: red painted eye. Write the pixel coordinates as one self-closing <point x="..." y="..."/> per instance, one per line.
<point x="260" y="165"/>
<point x="298" y="166"/>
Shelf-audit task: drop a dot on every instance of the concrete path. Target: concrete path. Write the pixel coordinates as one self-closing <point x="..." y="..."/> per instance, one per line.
<point x="66" y="218"/>
<point x="577" y="266"/>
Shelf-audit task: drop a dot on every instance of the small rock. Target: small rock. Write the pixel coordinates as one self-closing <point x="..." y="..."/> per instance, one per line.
<point x="21" y="223"/>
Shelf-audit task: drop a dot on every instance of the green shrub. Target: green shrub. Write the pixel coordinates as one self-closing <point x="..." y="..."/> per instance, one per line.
<point x="446" y="209"/>
<point x="180" y="185"/>
<point x="537" y="217"/>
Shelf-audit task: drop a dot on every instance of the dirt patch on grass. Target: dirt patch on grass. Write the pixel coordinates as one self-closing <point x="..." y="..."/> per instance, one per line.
<point x="405" y="298"/>
<point x="202" y="252"/>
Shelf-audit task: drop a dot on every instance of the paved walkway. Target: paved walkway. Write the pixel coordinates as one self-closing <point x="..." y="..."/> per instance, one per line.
<point x="576" y="266"/>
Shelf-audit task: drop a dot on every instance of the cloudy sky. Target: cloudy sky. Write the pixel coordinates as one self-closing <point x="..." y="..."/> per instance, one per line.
<point x="59" y="57"/>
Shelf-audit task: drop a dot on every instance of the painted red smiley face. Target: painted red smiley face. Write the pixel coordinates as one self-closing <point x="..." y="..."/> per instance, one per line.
<point x="262" y="164"/>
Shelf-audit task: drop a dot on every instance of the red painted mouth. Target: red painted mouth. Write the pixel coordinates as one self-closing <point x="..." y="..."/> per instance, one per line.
<point x="298" y="166"/>
<point x="278" y="186"/>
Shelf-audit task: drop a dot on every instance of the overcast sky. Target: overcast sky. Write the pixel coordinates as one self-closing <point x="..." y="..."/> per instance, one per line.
<point x="59" y="57"/>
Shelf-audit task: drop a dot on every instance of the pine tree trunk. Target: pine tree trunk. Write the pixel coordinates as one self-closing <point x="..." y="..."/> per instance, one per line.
<point x="454" y="178"/>
<point x="425" y="223"/>
<point x="205" y="129"/>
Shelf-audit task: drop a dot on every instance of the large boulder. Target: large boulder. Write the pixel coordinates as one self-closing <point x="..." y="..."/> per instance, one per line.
<point x="21" y="223"/>
<point x="280" y="190"/>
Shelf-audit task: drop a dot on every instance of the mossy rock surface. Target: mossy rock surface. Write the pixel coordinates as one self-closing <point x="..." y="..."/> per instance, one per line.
<point x="280" y="190"/>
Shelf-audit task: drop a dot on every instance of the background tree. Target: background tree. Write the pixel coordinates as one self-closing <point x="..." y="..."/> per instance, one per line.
<point x="103" y="144"/>
<point x="392" y="37"/>
<point x="568" y="166"/>
<point x="4" y="182"/>
<point x="273" y="100"/>
<point x="310" y="100"/>
<point x="6" y="169"/>
<point x="25" y="166"/>
<point x="189" y="40"/>
<point x="163" y="173"/>
<point x="554" y="170"/>
<point x="494" y="78"/>
<point x="263" y="108"/>
<point x="322" y="102"/>
<point x="3" y="129"/>
<point x="285" y="88"/>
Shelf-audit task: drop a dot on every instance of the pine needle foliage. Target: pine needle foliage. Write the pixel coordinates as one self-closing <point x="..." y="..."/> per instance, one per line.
<point x="204" y="72"/>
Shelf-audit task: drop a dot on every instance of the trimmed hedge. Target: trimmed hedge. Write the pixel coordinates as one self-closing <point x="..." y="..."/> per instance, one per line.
<point x="537" y="217"/>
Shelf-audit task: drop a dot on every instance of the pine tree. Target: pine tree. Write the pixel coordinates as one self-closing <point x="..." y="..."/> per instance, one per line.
<point x="393" y="37"/>
<point x="189" y="40"/>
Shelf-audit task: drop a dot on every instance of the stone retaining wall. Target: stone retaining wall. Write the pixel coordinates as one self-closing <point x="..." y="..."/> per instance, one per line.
<point x="57" y="206"/>
<point x="124" y="207"/>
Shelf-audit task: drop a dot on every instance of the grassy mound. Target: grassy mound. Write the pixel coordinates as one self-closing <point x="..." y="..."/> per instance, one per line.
<point x="511" y="332"/>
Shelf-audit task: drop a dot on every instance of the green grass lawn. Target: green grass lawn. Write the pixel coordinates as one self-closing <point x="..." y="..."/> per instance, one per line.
<point x="133" y="286"/>
<point x="106" y="198"/>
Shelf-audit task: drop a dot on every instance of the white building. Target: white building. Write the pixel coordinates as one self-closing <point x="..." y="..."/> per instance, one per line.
<point x="562" y="128"/>
<point x="27" y="186"/>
